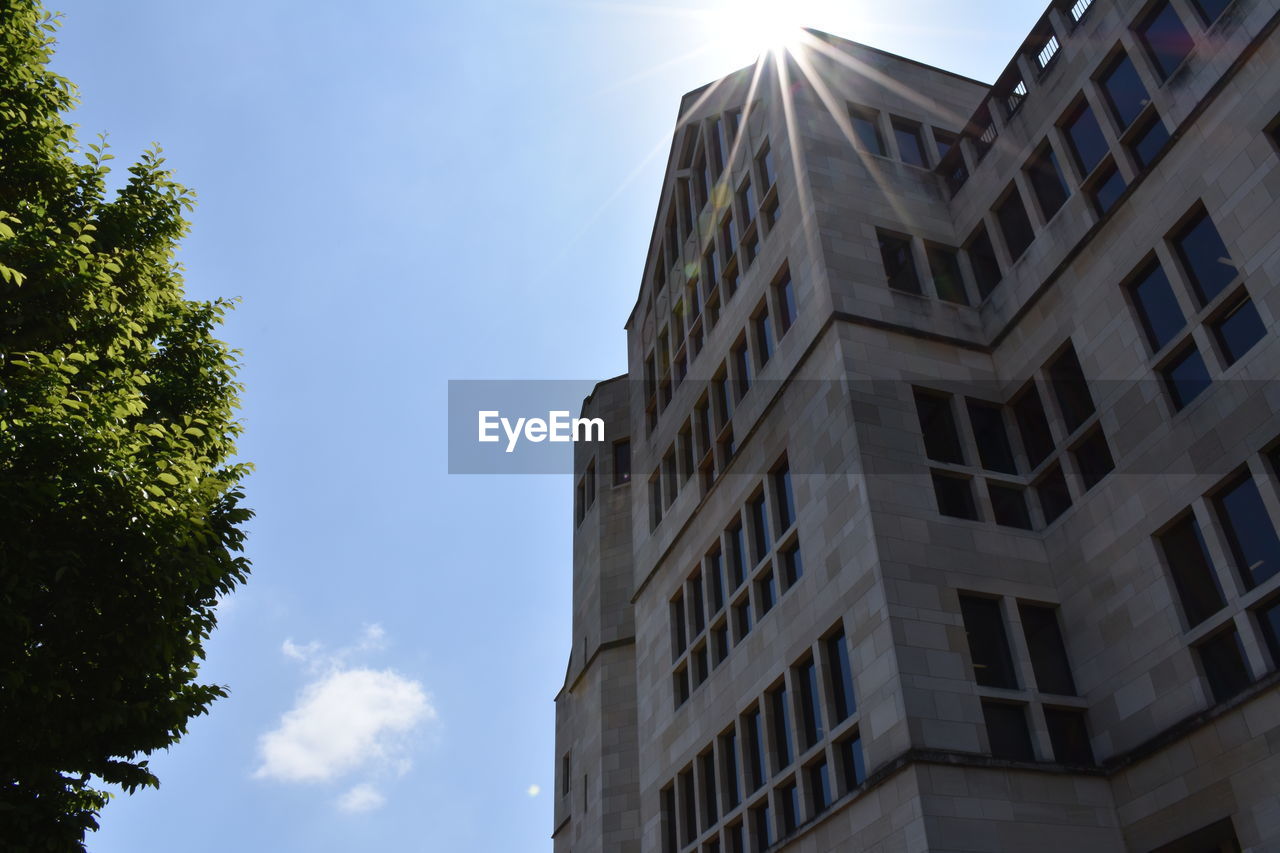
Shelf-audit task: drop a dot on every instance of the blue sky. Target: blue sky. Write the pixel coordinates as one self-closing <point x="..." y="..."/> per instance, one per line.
<point x="403" y="194"/>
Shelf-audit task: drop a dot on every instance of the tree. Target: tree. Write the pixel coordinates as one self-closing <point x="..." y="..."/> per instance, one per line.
<point x="120" y="516"/>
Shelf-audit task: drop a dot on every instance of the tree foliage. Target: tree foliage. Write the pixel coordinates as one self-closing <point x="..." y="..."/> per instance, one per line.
<point x="120" y="516"/>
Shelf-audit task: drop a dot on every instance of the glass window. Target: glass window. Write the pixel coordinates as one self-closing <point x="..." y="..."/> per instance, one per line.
<point x="1047" y="650"/>
<point x="742" y="618"/>
<point x="1007" y="731"/>
<point x="1192" y="573"/>
<point x="784" y="498"/>
<point x="1009" y="505"/>
<point x="1033" y="426"/>
<point x="764" y="337"/>
<point x="621" y="462"/>
<point x="1107" y="188"/>
<point x="982" y="258"/>
<point x="946" y="140"/>
<point x="1126" y="96"/>
<point x="852" y="768"/>
<point x="988" y="642"/>
<point x="719" y="643"/>
<point x="1248" y="528"/>
<point x="758" y="517"/>
<point x="1046" y="180"/>
<point x="1165" y="38"/>
<point x="1204" y="257"/>
<point x="841" y="676"/>
<point x="1156" y="305"/>
<point x="755" y="750"/>
<point x="766" y="593"/>
<point x="761" y="820"/>
<point x="1069" y="736"/>
<point x="1088" y="145"/>
<point x="670" y="834"/>
<point x="741" y="370"/>
<point x="681" y="681"/>
<point x="1210" y="10"/>
<point x="938" y="426"/>
<point x="689" y="799"/>
<point x="1014" y="224"/>
<point x="780" y="710"/>
<point x="1093" y="458"/>
<point x="786" y="302"/>
<point x="747" y="202"/>
<point x="1269" y="622"/>
<point x="944" y="265"/>
<point x="1070" y="389"/>
<point x="1222" y="658"/>
<point x="866" y="130"/>
<point x="679" y="635"/>
<point x="729" y="751"/>
<point x="736" y="543"/>
<point x="820" y="787"/>
<point x="1148" y="141"/>
<point x="792" y="565"/>
<point x="789" y="802"/>
<point x="710" y="807"/>
<point x="1055" y="498"/>
<point x="810" y="702"/>
<point x="910" y="145"/>
<point x="899" y="263"/>
<point x="764" y="165"/>
<point x="1237" y="330"/>
<point x="987" y="420"/>
<point x="954" y="495"/>
<point x="1185" y="377"/>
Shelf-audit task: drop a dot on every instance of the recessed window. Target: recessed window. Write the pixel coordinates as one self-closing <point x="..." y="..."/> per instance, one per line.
<point x="784" y="498"/>
<point x="710" y="806"/>
<point x="1046" y="180"/>
<point x="938" y="427"/>
<point x="1126" y="96"/>
<point x="899" y="263"/>
<point x="789" y="804"/>
<point x="1237" y="330"/>
<point x="1192" y="573"/>
<point x="758" y="518"/>
<point x="982" y="258"/>
<point x="670" y="827"/>
<point x="792" y="565"/>
<point x="735" y="542"/>
<point x="866" y="130"/>
<point x="1033" y="426"/>
<point x="1070" y="389"/>
<point x="987" y="420"/>
<point x="1105" y="189"/>
<point x="820" y="787"/>
<point x="761" y="825"/>
<point x="764" y="337"/>
<point x="1204" y="257"/>
<point x="728" y="235"/>
<point x="786" y="301"/>
<point x="780" y="711"/>
<point x="729" y="751"/>
<point x="764" y="168"/>
<point x="1269" y="622"/>
<point x="755" y="749"/>
<point x="955" y="496"/>
<point x="1165" y="38"/>
<point x="944" y="266"/>
<point x="988" y="642"/>
<point x="680" y="680"/>
<point x="852" y="768"/>
<point x="741" y="370"/>
<point x="719" y="643"/>
<point x="1047" y="650"/>
<point x="1007" y="731"/>
<point x="1254" y="544"/>
<point x="1222" y="659"/>
<point x="810" y="703"/>
<point x="689" y="803"/>
<point x="747" y="202"/>
<point x="837" y="652"/>
<point x="742" y="618"/>
<point x="1186" y="377"/>
<point x="1156" y="305"/>
<point x="1093" y="458"/>
<point x="1014" y="223"/>
<point x="1069" y="737"/>
<point x="1148" y="141"/>
<point x="1210" y="10"/>
<point x="679" y="635"/>
<point x="910" y="143"/>
<point x="945" y="140"/>
<point x="1088" y="145"/>
<point x="1009" y="505"/>
<point x="766" y="593"/>
<point x="1051" y="489"/>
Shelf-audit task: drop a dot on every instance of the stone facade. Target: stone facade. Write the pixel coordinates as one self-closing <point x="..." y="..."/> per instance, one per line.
<point x="948" y="522"/>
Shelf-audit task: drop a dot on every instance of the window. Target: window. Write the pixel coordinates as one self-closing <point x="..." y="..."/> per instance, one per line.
<point x="719" y="643"/>
<point x="670" y="835"/>
<point x="786" y="302"/>
<point x="792" y="565"/>
<point x="982" y="258"/>
<point x="679" y="635"/>
<point x="755" y="750"/>
<point x="689" y="801"/>
<point x="810" y="703"/>
<point x="866" y="130"/>
<point x="1105" y="190"/>
<point x="1210" y="10"/>
<point x="566" y="777"/>
<point x="764" y="168"/>
<point x="988" y="642"/>
<point x="728" y="235"/>
<point x="621" y="462"/>
<point x="1088" y="145"/>
<point x="764" y="337"/>
<point x="1126" y="96"/>
<point x="910" y="144"/>
<point x="952" y="167"/>
<point x="1204" y="257"/>
<point x="1223" y="662"/>
<point x="742" y="617"/>
<point x="946" y="140"/>
<point x="1033" y="426"/>
<point x="1185" y="376"/>
<point x="747" y="202"/>
<point x="820" y="787"/>
<point x="1193" y="577"/>
<point x="1269" y="622"/>
<point x="1069" y="737"/>
<point x="780" y="710"/>
<point x="837" y="652"/>
<point x="1156" y="305"/>
<point x="709" y="804"/>
<point x="784" y="498"/>
<point x="736" y="543"/>
<point x="729" y="751"/>
<point x="655" y="501"/>
<point x="1007" y="731"/>
<point x="1148" y="141"/>
<point x="994" y="450"/>
<point x="580" y="502"/>
<point x="1047" y="650"/>
<point x="899" y="264"/>
<point x="1165" y="38"/>
<point x="697" y="602"/>
<point x="1014" y="224"/>
<point x="938" y="426"/>
<point x="757" y="517"/>
<point x="1254" y="545"/>
<point x="1237" y="330"/>
<point x="1093" y="458"/>
<point x="789" y="803"/>
<point x="766" y="593"/>
<point x="1009" y="505"/>
<point x="1051" y="489"/>
<point x="1070" y="389"/>
<point x="761" y="818"/>
<point x="741" y="370"/>
<point x="715" y="573"/>
<point x="954" y="495"/>
<point x="1046" y="181"/>
<point x="852" y="768"/>
<point x="680" y="679"/>
<point x="944" y="265"/>
<point x="1218" y="837"/>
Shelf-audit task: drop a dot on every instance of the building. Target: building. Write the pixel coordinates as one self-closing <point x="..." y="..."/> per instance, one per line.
<point x="939" y="508"/>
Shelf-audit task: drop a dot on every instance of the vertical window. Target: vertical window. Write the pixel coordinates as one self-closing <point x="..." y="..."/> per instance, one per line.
<point x="697" y="604"/>
<point x="1237" y="329"/>
<point x="1093" y="458"/>
<point x="670" y="834"/>
<point x="680" y="681"/>
<point x="1148" y="141"/>
<point x="729" y="749"/>
<point x="655" y="502"/>
<point x="982" y="258"/>
<point x="1048" y="651"/>
<point x="621" y="462"/>
<point x="719" y="643"/>
<point x="1210" y="10"/>
<point x="1223" y="661"/>
<point x="737" y="554"/>
<point x="747" y="202"/>
<point x="820" y="787"/>
<point x="789" y="803"/>
<point x="837" y="652"/>
<point x="810" y="702"/>
<point x="728" y="235"/>
<point x="1248" y="528"/>
<point x="899" y="263"/>
<point x="1088" y="145"/>
<point x="1009" y="505"/>
<point x="741" y="370"/>
<point x="689" y="801"/>
<point x="715" y="573"/>
<point x="755" y="750"/>
<point x="792" y="565"/>
<point x="766" y="593"/>
<point x="758" y="517"/>
<point x="742" y="617"/>
<point x="761" y="818"/>
<point x="1033" y="426"/>
<point x="780" y="709"/>
<point x="954" y="496"/>
<point x="1165" y="38"/>
<point x="679" y="631"/>
<point x="1055" y="497"/>
<point x="852" y="768"/>
<point x="718" y="147"/>
<point x="944" y="266"/>
<point x="566" y="777"/>
<point x="580" y="501"/>
<point x="1192" y="573"/>
<point x="988" y="642"/>
<point x="910" y="144"/>
<point x="866" y="130"/>
<point x="946" y="140"/>
<point x="1105" y="189"/>
<point x="1156" y="305"/>
<point x="709" y="805"/>
<point x="784" y="498"/>
<point x="764" y="167"/>
<point x="786" y="302"/>
<point x="1069" y="736"/>
<point x="1066" y="378"/>
<point x="1269" y="622"/>
<point x="1204" y="257"/>
<point x="1046" y="181"/>
<point x="764" y="337"/>
<point x="1007" y="731"/>
<point x="736" y="836"/>
<point x="987" y="420"/>
<point x="1126" y="96"/>
<point x="1185" y="376"/>
<point x="938" y="427"/>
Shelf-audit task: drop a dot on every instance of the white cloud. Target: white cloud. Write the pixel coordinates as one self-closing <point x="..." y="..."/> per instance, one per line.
<point x="344" y="720"/>
<point x="361" y="798"/>
<point x="533" y="790"/>
<point x="297" y="652"/>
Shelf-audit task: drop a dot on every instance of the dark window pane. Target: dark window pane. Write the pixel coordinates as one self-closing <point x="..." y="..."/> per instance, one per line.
<point x="1066" y="378"/>
<point x="1157" y="308"/>
<point x="1007" y="731"/>
<point x="1165" y="38"/>
<point x="1224" y="665"/>
<point x="1033" y="426"/>
<point x="1047" y="182"/>
<point x="1205" y="258"/>
<point x="1009" y="504"/>
<point x="622" y="463"/>
<point x="938" y="425"/>
<point x="742" y="618"/>
<point x="786" y="303"/>
<point x="1107" y="189"/>
<point x="715" y="573"/>
<point x="841" y="676"/>
<point x="1014" y="224"/>
<point x="1088" y="145"/>
<point x="789" y="802"/>
<point x="955" y="497"/>
<point x="944" y="265"/>
<point x="785" y="498"/>
<point x="988" y="643"/>
<point x="910" y="146"/>
<point x="945" y="140"/>
<point x="1254" y="544"/>
<point x="678" y="629"/>
<point x="1069" y="736"/>
<point x="1185" y="377"/>
<point x="1055" y="498"/>
<point x="737" y="839"/>
<point x="737" y="555"/>
<point x="764" y="338"/>
<point x="867" y="132"/>
<point x="1210" y="10"/>
<point x="1269" y="622"/>
<point x="670" y="836"/>
<point x="1192" y="573"/>
<point x="953" y="170"/>
<point x="729" y="749"/>
<point x="761" y="823"/>
<point x="792" y="565"/>
<point x="781" y="713"/>
<point x="987" y="420"/>
<point x="767" y="593"/>
<point x="820" y="787"/>
<point x="759" y="519"/>
<point x="1093" y="458"/>
<point x="899" y="264"/>
<point x="764" y="161"/>
<point x="1148" y="141"/>
<point x="1124" y="90"/>
<point x="982" y="258"/>
<point x="689" y="798"/>
<point x="810" y="703"/>
<point x="1047" y="650"/>
<point x="681" y="682"/>
<point x="755" y="751"/>
<point x="710" y="806"/>
<point x="1238" y="330"/>
<point x="719" y="643"/>
<point x="851" y="762"/>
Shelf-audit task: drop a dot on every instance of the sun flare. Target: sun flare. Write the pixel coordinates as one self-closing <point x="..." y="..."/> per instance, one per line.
<point x="746" y="29"/>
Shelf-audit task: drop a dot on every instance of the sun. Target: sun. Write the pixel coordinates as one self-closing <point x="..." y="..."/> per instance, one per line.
<point x="745" y="29"/>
